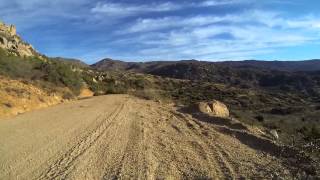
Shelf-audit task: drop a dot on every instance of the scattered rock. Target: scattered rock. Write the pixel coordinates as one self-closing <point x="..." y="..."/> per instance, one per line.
<point x="274" y="134"/>
<point x="258" y="131"/>
<point x="94" y="80"/>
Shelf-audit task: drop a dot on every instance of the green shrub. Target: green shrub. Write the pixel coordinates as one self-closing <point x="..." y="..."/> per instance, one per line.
<point x="17" y="67"/>
<point x="33" y="68"/>
<point x="62" y="74"/>
<point x="139" y="83"/>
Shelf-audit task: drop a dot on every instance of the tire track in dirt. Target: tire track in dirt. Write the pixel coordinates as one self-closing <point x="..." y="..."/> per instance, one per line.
<point x="224" y="165"/>
<point x="132" y="163"/>
<point x="113" y="171"/>
<point x="201" y="146"/>
<point x="61" y="167"/>
<point x="105" y="153"/>
<point x="216" y="155"/>
<point x="126" y="157"/>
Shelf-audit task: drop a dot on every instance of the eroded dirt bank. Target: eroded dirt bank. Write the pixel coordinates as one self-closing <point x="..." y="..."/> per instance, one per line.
<point x="119" y="136"/>
<point x="17" y="97"/>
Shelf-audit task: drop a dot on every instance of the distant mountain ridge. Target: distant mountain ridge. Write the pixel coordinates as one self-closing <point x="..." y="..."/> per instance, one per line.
<point x="117" y="65"/>
<point x="306" y="65"/>
<point x="291" y="66"/>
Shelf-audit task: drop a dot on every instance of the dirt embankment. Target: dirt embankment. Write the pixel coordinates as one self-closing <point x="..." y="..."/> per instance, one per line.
<point x="119" y="136"/>
<point x="17" y="97"/>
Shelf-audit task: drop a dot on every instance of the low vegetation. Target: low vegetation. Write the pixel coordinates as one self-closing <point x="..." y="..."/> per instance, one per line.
<point x="45" y="73"/>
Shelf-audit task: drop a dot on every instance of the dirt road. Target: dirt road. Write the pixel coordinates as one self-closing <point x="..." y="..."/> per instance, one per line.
<point x="119" y="136"/>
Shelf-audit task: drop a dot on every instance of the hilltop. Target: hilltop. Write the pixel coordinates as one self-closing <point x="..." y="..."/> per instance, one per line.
<point x="151" y="66"/>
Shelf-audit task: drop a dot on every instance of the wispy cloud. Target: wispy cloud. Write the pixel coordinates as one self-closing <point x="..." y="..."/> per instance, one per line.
<point x="219" y="2"/>
<point x="267" y="18"/>
<point x="220" y="36"/>
<point x="34" y="13"/>
<point x="125" y="9"/>
<point x="310" y="23"/>
<point x="120" y="9"/>
<point x="144" y="25"/>
<point x="201" y="42"/>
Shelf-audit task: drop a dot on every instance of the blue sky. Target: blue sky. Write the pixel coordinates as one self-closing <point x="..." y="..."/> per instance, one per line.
<point x="140" y="30"/>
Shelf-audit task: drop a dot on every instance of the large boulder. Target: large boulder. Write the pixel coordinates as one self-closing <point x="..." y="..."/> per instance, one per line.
<point x="214" y="108"/>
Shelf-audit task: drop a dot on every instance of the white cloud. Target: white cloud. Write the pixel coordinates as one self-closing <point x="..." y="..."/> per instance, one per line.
<point x="271" y="19"/>
<point x="305" y="23"/>
<point x="219" y="2"/>
<point x="144" y="25"/>
<point x="120" y="9"/>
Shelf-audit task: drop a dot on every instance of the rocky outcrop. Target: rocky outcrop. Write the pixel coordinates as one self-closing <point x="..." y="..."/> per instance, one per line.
<point x="10" y="29"/>
<point x="215" y="108"/>
<point x="10" y="41"/>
